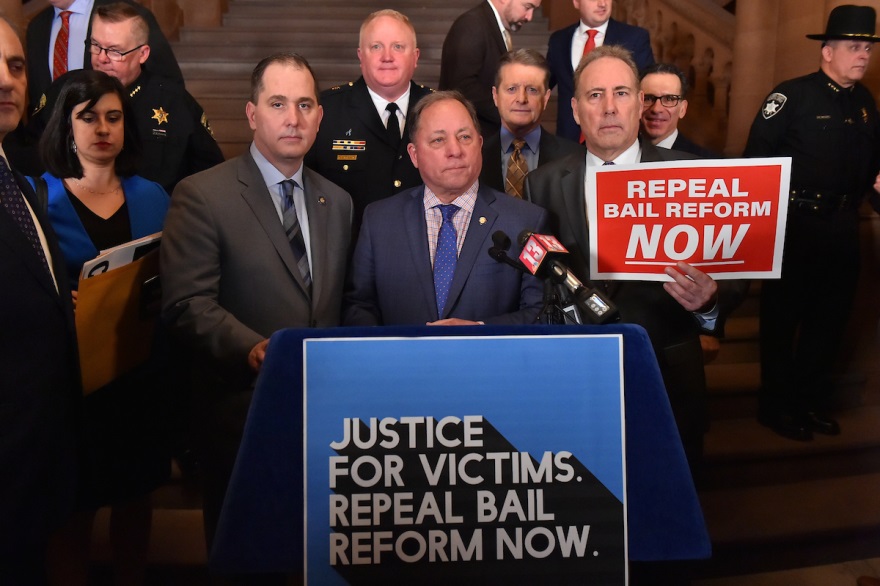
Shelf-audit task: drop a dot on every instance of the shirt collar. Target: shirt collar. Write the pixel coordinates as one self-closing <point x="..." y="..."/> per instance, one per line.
<point x="501" y="26"/>
<point x="630" y="156"/>
<point x="532" y="139"/>
<point x="465" y="201"/>
<point x="583" y="28"/>
<point x="381" y="103"/>
<point x="79" y="7"/>
<point x="667" y="142"/>
<point x="271" y="175"/>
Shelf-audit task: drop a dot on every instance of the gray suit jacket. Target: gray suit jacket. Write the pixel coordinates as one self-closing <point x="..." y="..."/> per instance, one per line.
<point x="229" y="277"/>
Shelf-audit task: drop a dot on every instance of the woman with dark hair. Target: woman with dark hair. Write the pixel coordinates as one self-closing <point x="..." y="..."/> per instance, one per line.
<point x="95" y="202"/>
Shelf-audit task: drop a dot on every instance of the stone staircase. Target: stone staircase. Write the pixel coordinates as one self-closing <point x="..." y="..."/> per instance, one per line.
<point x="217" y="62"/>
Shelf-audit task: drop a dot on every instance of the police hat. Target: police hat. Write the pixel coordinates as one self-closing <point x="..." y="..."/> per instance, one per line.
<point x="848" y="22"/>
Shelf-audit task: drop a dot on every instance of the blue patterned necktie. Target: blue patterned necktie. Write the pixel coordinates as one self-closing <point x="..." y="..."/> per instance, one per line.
<point x="445" y="256"/>
<point x="294" y="232"/>
<point x="13" y="202"/>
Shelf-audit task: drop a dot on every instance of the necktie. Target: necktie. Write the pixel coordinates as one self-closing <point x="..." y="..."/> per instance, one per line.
<point x="591" y="40"/>
<point x="13" y="202"/>
<point x="607" y="163"/>
<point x="589" y="46"/>
<point x="516" y="170"/>
<point x="393" y="126"/>
<point x="294" y="232"/>
<point x="508" y="40"/>
<point x="59" y="54"/>
<point x="445" y="256"/>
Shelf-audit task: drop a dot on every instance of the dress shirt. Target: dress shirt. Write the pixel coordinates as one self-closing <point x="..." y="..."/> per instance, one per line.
<point x="667" y="142"/>
<point x="579" y="40"/>
<point x="529" y="152"/>
<point x="273" y="178"/>
<point x="79" y="26"/>
<point x="501" y="27"/>
<point x="461" y="219"/>
<point x="37" y="225"/>
<point x="402" y="107"/>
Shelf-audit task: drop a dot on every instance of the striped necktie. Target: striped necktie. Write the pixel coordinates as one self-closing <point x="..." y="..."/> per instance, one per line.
<point x="294" y="232"/>
<point x="59" y="54"/>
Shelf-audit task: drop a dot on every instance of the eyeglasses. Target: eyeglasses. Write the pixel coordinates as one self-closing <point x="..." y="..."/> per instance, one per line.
<point x="112" y="54"/>
<point x="669" y="100"/>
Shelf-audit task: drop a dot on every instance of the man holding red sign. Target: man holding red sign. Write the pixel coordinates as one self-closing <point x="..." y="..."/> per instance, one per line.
<point x="608" y="105"/>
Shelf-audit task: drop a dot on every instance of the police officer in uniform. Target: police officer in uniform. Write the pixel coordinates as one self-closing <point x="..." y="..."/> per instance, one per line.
<point x="177" y="139"/>
<point x="828" y="123"/>
<point x="361" y="145"/>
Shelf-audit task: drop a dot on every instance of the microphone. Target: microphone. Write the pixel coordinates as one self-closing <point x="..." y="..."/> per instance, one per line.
<point x="538" y="255"/>
<point x="499" y="251"/>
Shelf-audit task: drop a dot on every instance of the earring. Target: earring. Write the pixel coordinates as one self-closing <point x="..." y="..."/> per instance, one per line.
<point x="72" y="146"/>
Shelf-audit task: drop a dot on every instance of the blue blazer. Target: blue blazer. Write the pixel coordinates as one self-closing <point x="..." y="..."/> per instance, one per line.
<point x="392" y="281"/>
<point x="634" y="38"/>
<point x="147" y="204"/>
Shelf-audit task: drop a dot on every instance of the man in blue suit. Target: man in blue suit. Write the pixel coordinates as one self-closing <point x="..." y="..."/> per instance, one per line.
<point x="566" y="47"/>
<point x="422" y="255"/>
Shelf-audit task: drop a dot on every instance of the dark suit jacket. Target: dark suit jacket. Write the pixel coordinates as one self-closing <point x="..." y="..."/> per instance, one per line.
<point x="550" y="148"/>
<point x="39" y="30"/>
<point x="392" y="282"/>
<point x="471" y="52"/>
<point x="379" y="170"/>
<point x="39" y="392"/>
<point x="634" y="38"/>
<point x="674" y="331"/>
<point x="685" y="145"/>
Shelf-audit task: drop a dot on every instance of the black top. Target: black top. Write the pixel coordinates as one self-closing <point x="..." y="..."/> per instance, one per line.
<point x="104" y="233"/>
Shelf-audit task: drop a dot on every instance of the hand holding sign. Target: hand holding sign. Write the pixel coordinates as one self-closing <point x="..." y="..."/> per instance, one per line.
<point x="692" y="288"/>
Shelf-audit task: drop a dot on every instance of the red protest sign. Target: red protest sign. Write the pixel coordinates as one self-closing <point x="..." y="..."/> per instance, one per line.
<point x="726" y="217"/>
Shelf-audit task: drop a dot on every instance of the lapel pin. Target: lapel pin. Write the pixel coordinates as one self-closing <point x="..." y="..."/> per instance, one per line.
<point x="482" y="220"/>
<point x="322" y="201"/>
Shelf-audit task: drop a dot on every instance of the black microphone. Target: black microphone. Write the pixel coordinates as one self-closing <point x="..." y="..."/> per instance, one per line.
<point x="499" y="251"/>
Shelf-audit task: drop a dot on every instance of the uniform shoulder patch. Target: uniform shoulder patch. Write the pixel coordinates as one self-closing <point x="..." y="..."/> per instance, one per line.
<point x="773" y="105"/>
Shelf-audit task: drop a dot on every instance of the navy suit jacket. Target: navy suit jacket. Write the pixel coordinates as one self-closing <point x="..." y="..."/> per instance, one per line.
<point x="39" y="391"/>
<point x="471" y="52"/>
<point x="392" y="281"/>
<point x="634" y="38"/>
<point x="685" y="145"/>
<point x="550" y="148"/>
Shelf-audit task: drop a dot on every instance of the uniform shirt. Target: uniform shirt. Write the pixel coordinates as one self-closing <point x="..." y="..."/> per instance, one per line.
<point x="830" y="132"/>
<point x="173" y="129"/>
<point x="381" y="104"/>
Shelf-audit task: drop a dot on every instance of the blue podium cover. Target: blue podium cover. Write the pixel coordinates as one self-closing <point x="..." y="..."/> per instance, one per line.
<point x="262" y="528"/>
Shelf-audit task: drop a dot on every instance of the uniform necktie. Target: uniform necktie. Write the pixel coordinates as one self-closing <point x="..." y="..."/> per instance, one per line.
<point x="445" y="256"/>
<point x="59" y="54"/>
<point x="516" y="169"/>
<point x="588" y="46"/>
<point x="393" y="125"/>
<point x="13" y="202"/>
<point x="294" y="232"/>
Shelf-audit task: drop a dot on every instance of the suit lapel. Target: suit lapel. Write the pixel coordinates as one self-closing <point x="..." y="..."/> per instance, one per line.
<point x="316" y="206"/>
<point x="492" y="25"/>
<point x="572" y="181"/>
<point x="417" y="236"/>
<point x="479" y="228"/>
<point x="256" y="195"/>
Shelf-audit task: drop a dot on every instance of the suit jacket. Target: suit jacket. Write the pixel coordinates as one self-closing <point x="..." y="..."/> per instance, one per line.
<point x="40" y="391"/>
<point x="376" y="171"/>
<point x="229" y="277"/>
<point x="634" y="38"/>
<point x="550" y="148"/>
<point x="471" y="52"/>
<point x="392" y="281"/>
<point x="674" y="331"/>
<point x="39" y="30"/>
<point x="685" y="145"/>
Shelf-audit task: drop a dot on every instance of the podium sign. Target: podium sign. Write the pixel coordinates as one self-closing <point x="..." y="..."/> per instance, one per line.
<point x="472" y="459"/>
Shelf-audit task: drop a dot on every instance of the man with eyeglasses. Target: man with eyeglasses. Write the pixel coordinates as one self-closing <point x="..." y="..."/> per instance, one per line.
<point x="49" y="57"/>
<point x="665" y="87"/>
<point x="828" y="123"/>
<point x="173" y="128"/>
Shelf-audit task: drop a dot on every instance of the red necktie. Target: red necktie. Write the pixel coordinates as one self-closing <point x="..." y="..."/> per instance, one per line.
<point x="59" y="56"/>
<point x="589" y="46"/>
